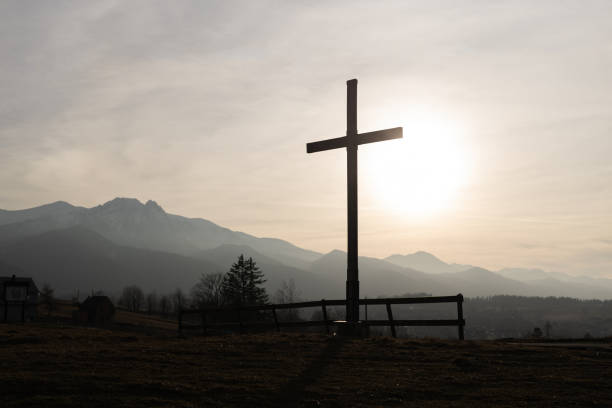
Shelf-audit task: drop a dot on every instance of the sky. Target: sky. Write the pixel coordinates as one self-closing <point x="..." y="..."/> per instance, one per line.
<point x="206" y="107"/>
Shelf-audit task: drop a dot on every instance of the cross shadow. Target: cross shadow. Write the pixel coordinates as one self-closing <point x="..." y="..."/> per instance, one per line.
<point x="293" y="392"/>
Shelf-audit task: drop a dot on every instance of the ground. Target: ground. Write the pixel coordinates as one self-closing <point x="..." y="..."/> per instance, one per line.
<point x="55" y="364"/>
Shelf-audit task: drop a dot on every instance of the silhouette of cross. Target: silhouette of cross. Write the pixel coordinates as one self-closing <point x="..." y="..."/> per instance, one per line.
<point x="351" y="141"/>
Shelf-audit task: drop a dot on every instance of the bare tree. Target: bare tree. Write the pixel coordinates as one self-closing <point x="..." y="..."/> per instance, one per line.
<point x="208" y="291"/>
<point x="548" y="327"/>
<point x="47" y="298"/>
<point x="287" y="293"/>
<point x="132" y="298"/>
<point x="151" y="300"/>
<point x="76" y="296"/>
<point x="179" y="300"/>
<point x="164" y="305"/>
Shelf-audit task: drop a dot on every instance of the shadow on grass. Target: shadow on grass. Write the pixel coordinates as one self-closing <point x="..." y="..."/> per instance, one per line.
<point x="294" y="392"/>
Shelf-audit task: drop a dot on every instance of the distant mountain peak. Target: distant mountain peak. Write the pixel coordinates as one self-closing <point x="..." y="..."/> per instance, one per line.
<point x="60" y="203"/>
<point x="478" y="270"/>
<point x="122" y="202"/>
<point x="56" y="205"/>
<point x="154" y="206"/>
<point x="130" y="204"/>
<point x="333" y="254"/>
<point x="425" y="262"/>
<point x="420" y="255"/>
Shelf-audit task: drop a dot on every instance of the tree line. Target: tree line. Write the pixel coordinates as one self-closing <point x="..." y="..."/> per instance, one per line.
<point x="241" y="285"/>
<point x="487" y="317"/>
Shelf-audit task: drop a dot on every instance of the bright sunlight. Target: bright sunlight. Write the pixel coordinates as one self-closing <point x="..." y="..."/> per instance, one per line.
<point x="420" y="174"/>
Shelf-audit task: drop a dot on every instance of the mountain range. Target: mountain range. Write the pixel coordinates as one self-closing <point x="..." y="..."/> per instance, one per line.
<point x="125" y="242"/>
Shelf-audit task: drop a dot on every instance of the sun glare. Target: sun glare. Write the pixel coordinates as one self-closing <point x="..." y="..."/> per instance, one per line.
<point x="420" y="174"/>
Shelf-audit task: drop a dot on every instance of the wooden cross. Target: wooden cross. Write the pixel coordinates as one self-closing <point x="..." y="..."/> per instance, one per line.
<point x="351" y="141"/>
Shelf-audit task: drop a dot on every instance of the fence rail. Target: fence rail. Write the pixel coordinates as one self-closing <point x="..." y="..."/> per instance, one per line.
<point x="242" y="324"/>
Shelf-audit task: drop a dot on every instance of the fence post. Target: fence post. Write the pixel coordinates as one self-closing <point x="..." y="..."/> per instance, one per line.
<point x="204" y="322"/>
<point x="460" y="315"/>
<point x="324" y="310"/>
<point x="390" y="315"/>
<point x="240" y="321"/>
<point x="275" y="318"/>
<point x="180" y="321"/>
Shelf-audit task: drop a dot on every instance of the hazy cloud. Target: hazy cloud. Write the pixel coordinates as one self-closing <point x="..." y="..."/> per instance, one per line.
<point x="205" y="107"/>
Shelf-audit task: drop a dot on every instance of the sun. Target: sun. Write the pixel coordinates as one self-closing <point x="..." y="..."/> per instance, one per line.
<point x="421" y="174"/>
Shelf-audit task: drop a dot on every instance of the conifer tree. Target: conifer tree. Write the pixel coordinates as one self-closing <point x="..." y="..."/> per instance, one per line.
<point x="241" y="285"/>
<point x="256" y="293"/>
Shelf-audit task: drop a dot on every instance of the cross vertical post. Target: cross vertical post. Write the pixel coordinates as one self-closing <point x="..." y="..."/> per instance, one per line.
<point x="351" y="140"/>
<point x="352" y="273"/>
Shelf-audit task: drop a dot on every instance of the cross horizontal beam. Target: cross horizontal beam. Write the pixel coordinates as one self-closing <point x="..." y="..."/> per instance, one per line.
<point x="362" y="138"/>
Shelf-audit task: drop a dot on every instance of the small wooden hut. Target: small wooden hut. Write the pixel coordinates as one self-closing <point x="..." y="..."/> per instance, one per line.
<point x="95" y="310"/>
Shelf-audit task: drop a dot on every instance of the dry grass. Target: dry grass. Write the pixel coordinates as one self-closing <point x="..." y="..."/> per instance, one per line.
<point x="62" y="312"/>
<point x="50" y="365"/>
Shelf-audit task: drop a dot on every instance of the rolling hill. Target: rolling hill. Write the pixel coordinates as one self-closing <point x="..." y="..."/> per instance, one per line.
<point x="125" y="242"/>
<point x="426" y="262"/>
<point x="126" y="221"/>
<point x="77" y="258"/>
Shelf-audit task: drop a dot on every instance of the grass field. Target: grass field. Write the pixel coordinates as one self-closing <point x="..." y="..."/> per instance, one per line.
<point x="51" y="365"/>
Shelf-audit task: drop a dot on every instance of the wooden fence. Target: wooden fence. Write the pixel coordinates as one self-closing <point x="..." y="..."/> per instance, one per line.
<point x="243" y="324"/>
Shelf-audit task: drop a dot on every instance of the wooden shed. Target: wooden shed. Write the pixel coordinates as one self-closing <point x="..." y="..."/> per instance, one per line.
<point x="96" y="310"/>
